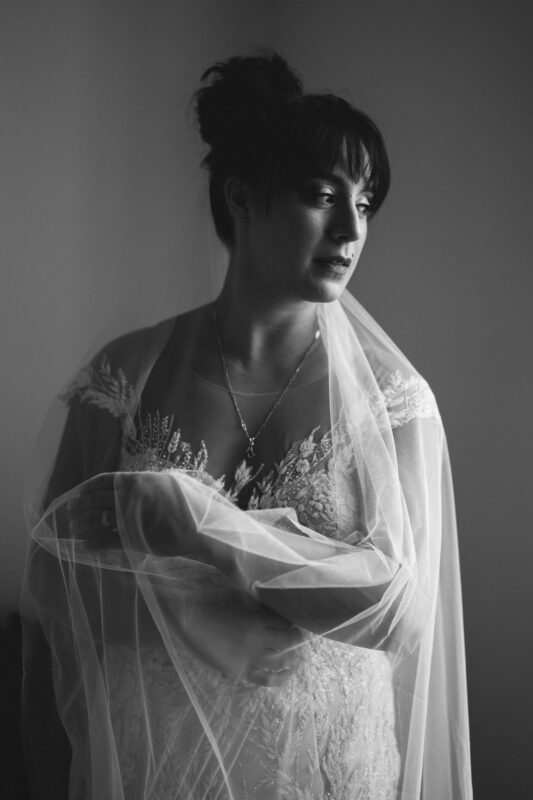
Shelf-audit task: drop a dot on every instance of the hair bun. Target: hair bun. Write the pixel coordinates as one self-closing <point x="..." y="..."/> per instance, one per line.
<point x="241" y="94"/>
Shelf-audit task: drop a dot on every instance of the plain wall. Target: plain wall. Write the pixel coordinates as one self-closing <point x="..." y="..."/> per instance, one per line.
<point x="101" y="197"/>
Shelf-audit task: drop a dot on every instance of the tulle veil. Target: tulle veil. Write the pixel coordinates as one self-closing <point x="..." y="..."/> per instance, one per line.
<point x="393" y="586"/>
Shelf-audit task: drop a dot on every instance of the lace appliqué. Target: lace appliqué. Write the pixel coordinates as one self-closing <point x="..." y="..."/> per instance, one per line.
<point x="305" y="478"/>
<point x="327" y="733"/>
<point x="407" y="398"/>
<point x="98" y="386"/>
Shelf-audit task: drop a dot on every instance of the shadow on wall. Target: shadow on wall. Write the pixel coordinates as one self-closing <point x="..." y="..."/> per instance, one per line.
<point x="12" y="774"/>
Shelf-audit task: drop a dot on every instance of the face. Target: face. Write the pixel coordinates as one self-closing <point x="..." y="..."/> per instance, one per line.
<point x="307" y="244"/>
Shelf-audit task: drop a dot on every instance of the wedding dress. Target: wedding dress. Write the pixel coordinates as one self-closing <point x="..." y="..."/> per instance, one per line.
<point x="347" y="529"/>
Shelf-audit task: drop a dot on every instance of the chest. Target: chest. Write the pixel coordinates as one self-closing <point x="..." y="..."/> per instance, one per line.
<point x="211" y="418"/>
<point x="191" y="423"/>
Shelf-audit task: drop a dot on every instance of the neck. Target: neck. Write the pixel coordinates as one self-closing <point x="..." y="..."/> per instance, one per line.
<point x="258" y="328"/>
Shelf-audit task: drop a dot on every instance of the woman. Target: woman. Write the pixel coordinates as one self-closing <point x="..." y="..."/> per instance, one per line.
<point x="244" y="565"/>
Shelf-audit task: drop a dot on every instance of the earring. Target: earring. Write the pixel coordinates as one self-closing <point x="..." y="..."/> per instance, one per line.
<point x="245" y="220"/>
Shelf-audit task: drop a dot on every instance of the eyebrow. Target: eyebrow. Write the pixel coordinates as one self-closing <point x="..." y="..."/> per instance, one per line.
<point x="337" y="180"/>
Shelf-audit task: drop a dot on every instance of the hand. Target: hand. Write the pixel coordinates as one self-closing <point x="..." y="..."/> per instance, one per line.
<point x="146" y="502"/>
<point x="236" y="635"/>
<point x="90" y="512"/>
<point x="243" y="639"/>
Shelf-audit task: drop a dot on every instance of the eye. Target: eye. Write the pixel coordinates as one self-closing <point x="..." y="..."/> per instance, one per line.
<point x="326" y="198"/>
<point x="363" y="208"/>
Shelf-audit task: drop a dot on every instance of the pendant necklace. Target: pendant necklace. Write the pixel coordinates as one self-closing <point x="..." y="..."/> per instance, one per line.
<point x="252" y="439"/>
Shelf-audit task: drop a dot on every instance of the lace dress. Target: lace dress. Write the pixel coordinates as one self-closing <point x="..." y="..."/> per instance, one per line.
<point x="329" y="730"/>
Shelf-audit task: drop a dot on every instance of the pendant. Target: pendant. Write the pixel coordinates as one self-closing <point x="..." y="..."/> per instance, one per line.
<point x="251" y="452"/>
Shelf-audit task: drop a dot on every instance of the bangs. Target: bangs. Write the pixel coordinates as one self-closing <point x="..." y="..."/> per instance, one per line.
<point x="324" y="133"/>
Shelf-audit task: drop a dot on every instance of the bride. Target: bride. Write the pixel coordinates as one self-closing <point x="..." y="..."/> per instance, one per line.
<point x="243" y="578"/>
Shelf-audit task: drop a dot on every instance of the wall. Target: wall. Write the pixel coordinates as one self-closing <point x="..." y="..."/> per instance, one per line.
<point x="447" y="272"/>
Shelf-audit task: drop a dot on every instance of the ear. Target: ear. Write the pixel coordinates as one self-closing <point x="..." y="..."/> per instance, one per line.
<point x="238" y="198"/>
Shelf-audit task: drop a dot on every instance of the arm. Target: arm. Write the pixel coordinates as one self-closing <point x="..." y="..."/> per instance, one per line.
<point x="393" y="611"/>
<point x="44" y="606"/>
<point x="353" y="593"/>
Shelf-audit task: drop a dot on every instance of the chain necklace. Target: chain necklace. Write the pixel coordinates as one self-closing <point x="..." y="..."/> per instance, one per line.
<point x="252" y="439"/>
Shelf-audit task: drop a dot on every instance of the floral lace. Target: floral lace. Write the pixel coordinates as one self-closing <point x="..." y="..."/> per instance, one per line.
<point x="407" y="398"/>
<point x="328" y="732"/>
<point x="304" y="479"/>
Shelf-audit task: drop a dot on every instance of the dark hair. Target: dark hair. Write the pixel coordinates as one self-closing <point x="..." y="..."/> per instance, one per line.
<point x="264" y="129"/>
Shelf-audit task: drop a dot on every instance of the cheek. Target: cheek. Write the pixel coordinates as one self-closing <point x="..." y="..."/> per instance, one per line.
<point x="360" y="243"/>
<point x="292" y="235"/>
<point x="307" y="231"/>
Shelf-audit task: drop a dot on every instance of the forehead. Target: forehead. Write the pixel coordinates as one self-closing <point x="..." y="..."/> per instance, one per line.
<point x="345" y="156"/>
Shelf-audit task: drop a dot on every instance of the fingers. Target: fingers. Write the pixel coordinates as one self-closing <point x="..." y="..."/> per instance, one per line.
<point x="282" y="640"/>
<point x="286" y="651"/>
<point x="92" y="508"/>
<point x="92" y="517"/>
<point x="272" y="620"/>
<point x="279" y="656"/>
<point x="92" y="532"/>
<point x="103" y="520"/>
<point x="105" y="481"/>
<point x="268" y="677"/>
<point x="274" y="668"/>
<point x="99" y="499"/>
<point x="273" y="636"/>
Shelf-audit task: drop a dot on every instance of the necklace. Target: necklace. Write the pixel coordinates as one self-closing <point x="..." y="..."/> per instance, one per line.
<point x="277" y="402"/>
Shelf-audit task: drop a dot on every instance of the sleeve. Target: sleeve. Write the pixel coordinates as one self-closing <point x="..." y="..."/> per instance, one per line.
<point x="90" y="441"/>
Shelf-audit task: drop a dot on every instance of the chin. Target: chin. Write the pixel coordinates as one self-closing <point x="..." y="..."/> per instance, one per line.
<point x="325" y="291"/>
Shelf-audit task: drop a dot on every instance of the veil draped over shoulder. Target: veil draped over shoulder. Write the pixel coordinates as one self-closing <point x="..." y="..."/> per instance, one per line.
<point x="377" y="704"/>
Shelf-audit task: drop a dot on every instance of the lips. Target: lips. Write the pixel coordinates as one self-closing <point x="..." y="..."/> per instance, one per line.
<point x="335" y="265"/>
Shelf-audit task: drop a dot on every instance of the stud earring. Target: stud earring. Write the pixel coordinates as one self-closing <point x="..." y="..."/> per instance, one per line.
<point x="245" y="220"/>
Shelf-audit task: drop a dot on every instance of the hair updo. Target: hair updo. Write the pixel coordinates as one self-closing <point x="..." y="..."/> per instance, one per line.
<point x="263" y="128"/>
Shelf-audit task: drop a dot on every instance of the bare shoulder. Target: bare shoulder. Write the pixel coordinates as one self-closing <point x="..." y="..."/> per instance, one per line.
<point x="166" y="335"/>
<point x="124" y="363"/>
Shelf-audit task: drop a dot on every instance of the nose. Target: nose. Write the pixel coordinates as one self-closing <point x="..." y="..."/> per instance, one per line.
<point x="348" y="225"/>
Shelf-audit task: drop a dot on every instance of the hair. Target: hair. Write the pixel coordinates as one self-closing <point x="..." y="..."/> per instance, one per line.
<point x="263" y="128"/>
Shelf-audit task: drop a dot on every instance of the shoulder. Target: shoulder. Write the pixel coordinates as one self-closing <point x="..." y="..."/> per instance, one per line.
<point x="406" y="396"/>
<point x="113" y="378"/>
<point x="397" y="391"/>
<point x="132" y="346"/>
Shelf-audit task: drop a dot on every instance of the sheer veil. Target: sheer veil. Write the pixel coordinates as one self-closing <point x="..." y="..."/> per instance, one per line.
<point x="389" y="586"/>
